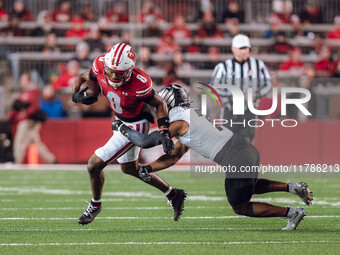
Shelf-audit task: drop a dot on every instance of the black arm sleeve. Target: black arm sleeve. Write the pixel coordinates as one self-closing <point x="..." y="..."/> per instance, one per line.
<point x="139" y="139"/>
<point x="92" y="76"/>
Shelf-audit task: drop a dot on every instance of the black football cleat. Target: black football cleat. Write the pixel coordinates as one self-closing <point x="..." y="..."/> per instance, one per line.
<point x="177" y="203"/>
<point x="90" y="213"/>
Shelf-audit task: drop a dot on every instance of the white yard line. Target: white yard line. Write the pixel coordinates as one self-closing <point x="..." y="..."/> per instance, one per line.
<point x="153" y="218"/>
<point x="165" y="243"/>
<point x="142" y="229"/>
<point x="142" y="194"/>
<point x="110" y="208"/>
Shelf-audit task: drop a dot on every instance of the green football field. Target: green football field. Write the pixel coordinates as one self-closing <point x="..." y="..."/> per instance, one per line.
<point x="39" y="212"/>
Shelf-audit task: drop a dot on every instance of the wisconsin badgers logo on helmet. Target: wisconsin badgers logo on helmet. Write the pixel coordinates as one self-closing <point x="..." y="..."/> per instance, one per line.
<point x="119" y="62"/>
<point x="132" y="55"/>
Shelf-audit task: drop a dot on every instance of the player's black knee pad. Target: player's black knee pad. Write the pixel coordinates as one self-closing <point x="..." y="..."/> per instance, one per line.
<point x="250" y="211"/>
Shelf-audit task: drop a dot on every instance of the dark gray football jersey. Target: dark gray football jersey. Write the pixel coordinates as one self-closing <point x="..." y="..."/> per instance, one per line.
<point x="202" y="136"/>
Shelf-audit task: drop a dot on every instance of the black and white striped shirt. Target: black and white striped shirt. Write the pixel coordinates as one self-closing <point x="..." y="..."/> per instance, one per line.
<point x="251" y="73"/>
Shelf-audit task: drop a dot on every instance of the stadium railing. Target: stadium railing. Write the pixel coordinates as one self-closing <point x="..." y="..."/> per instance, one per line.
<point x="246" y="27"/>
<point x="26" y="61"/>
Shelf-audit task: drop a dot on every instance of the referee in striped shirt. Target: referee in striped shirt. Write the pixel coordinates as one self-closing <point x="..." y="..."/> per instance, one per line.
<point x="241" y="71"/>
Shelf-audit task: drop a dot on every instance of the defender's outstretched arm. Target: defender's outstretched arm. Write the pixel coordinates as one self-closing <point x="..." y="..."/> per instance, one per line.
<point x="137" y="138"/>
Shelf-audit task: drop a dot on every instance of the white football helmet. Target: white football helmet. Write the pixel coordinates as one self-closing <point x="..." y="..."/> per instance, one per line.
<point x="120" y="61"/>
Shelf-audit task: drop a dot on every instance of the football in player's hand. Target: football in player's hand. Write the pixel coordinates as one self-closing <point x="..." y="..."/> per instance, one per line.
<point x="93" y="89"/>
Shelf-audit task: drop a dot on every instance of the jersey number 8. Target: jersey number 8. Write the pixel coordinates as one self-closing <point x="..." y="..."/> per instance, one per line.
<point x="114" y="100"/>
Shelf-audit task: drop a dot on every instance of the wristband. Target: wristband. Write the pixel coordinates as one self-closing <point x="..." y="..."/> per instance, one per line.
<point x="165" y="121"/>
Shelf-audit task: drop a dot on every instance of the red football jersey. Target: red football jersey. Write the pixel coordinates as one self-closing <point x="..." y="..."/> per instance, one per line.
<point x="126" y="100"/>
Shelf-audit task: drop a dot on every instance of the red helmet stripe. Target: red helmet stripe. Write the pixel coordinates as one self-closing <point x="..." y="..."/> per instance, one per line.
<point x="114" y="56"/>
<point x="120" y="54"/>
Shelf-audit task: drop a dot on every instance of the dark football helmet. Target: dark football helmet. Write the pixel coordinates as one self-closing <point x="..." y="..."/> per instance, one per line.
<point x="174" y="95"/>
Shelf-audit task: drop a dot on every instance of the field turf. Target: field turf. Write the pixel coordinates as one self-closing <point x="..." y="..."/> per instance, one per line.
<point x="39" y="212"/>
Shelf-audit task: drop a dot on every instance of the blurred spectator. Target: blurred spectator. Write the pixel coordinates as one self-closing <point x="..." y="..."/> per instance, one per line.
<point x="63" y="13"/>
<point x="336" y="73"/>
<point x="149" y="13"/>
<point x="294" y="61"/>
<point x="233" y="27"/>
<point x="3" y="12"/>
<point x="317" y="43"/>
<point x="233" y="11"/>
<point x="214" y="58"/>
<point x="21" y="11"/>
<point x="325" y="66"/>
<point x="177" y="8"/>
<point x="307" y="81"/>
<point x="311" y="13"/>
<point x="12" y="28"/>
<point x="51" y="45"/>
<point x="281" y="46"/>
<point x="45" y="25"/>
<point x="145" y="60"/>
<point x="77" y="29"/>
<point x="283" y="10"/>
<point x="335" y="33"/>
<point x="117" y="14"/>
<point x="275" y="26"/>
<point x="86" y="12"/>
<point x="171" y="77"/>
<point x="167" y="45"/>
<point x="297" y="27"/>
<point x="82" y="56"/>
<point x="26" y="119"/>
<point x="52" y="71"/>
<point x="205" y="6"/>
<point x="126" y="37"/>
<point x="179" y="29"/>
<point x="105" y="31"/>
<point x="153" y="29"/>
<point x="65" y="80"/>
<point x="94" y="39"/>
<point x="50" y="104"/>
<point x="179" y="63"/>
<point x="196" y="45"/>
<point x="209" y="29"/>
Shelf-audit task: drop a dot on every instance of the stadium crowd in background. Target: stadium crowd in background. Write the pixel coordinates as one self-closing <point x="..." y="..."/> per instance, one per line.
<point x="26" y="119"/>
<point x="169" y="26"/>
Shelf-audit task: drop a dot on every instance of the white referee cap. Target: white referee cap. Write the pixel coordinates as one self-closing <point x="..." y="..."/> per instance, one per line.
<point x="240" y="41"/>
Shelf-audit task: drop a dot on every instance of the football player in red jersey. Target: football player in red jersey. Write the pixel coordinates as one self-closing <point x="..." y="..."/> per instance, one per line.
<point x="127" y="89"/>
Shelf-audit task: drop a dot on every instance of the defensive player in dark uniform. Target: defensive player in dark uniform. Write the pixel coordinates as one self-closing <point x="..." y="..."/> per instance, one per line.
<point x="222" y="146"/>
<point x="127" y="90"/>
